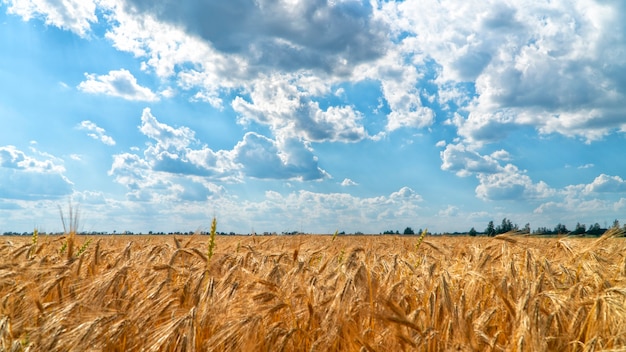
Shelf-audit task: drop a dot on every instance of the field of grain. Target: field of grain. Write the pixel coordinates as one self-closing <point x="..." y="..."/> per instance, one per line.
<point x="312" y="293"/>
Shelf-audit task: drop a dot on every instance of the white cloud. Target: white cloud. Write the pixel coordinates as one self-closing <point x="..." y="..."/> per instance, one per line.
<point x="492" y="67"/>
<point x="280" y="103"/>
<point x="308" y="67"/>
<point x="167" y="136"/>
<point x="120" y="83"/>
<point x="311" y="211"/>
<point x="510" y="183"/>
<point x="496" y="182"/>
<point x="176" y="150"/>
<point x="26" y="177"/>
<point x="261" y="157"/>
<point x="399" y="86"/>
<point x="96" y="132"/>
<point x="13" y="158"/>
<point x="449" y="211"/>
<point x="147" y="185"/>
<point x="465" y="161"/>
<point x="509" y="50"/>
<point x="348" y="182"/>
<point x="405" y="193"/>
<point x="587" y="202"/>
<point x="487" y="58"/>
<point x="331" y="36"/>
<point x="327" y="212"/>
<point x="501" y="155"/>
<point x="606" y="184"/>
<point x="73" y="15"/>
<point x="480" y="127"/>
<point x="175" y="164"/>
<point x="580" y="210"/>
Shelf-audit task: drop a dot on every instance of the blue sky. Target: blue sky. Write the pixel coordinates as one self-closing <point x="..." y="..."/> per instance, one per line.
<point x="311" y="115"/>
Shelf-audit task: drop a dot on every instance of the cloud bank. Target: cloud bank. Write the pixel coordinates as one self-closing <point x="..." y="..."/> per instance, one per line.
<point x="481" y="71"/>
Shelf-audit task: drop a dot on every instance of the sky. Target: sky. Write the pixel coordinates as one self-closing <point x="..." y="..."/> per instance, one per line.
<point x="311" y="115"/>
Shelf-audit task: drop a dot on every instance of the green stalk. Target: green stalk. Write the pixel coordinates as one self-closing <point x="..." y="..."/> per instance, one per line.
<point x="212" y="245"/>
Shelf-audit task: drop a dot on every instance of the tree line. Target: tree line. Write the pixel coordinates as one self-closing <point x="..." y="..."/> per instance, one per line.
<point x="560" y="229"/>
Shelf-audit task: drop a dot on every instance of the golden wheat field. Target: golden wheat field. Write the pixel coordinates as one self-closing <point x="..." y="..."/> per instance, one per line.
<point x="312" y="293"/>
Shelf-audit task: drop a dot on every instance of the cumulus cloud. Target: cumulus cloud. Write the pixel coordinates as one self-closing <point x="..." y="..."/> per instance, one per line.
<point x="267" y="53"/>
<point x="405" y="193"/>
<point x="587" y="201"/>
<point x="261" y="157"/>
<point x="501" y="155"/>
<point x="175" y="156"/>
<point x="495" y="181"/>
<point x="348" y="182"/>
<point x="492" y="66"/>
<point x="176" y="150"/>
<point x="329" y="36"/>
<point x="13" y="158"/>
<point x="552" y="66"/>
<point x="29" y="178"/>
<point x="145" y="184"/>
<point x="399" y="86"/>
<point x="120" y="83"/>
<point x="465" y="161"/>
<point x="96" y="132"/>
<point x="74" y="15"/>
<point x="581" y="201"/>
<point x="606" y="184"/>
<point x="548" y="65"/>
<point x="510" y="183"/>
<point x="279" y="103"/>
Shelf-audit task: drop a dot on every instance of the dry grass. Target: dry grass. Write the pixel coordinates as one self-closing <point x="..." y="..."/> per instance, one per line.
<point x="142" y="293"/>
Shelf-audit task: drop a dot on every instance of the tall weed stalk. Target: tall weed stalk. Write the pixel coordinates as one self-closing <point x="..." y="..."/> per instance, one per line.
<point x="70" y="228"/>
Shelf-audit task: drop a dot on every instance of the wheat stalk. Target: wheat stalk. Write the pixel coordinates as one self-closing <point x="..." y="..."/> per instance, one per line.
<point x="419" y="243"/>
<point x="291" y="293"/>
<point x="211" y="246"/>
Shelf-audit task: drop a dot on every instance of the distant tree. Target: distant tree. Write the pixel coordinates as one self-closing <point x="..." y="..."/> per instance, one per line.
<point x="472" y="232"/>
<point x="409" y="231"/>
<point x="595" y="230"/>
<point x="543" y="231"/>
<point x="616" y="224"/>
<point x="580" y="229"/>
<point x="490" y="230"/>
<point x="505" y="227"/>
<point x="526" y="228"/>
<point x="560" y="229"/>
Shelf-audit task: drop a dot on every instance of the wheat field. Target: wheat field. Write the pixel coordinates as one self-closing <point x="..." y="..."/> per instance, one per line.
<point x="312" y="293"/>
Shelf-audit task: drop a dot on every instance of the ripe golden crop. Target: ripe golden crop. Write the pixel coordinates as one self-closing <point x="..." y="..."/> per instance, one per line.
<point x="293" y="293"/>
